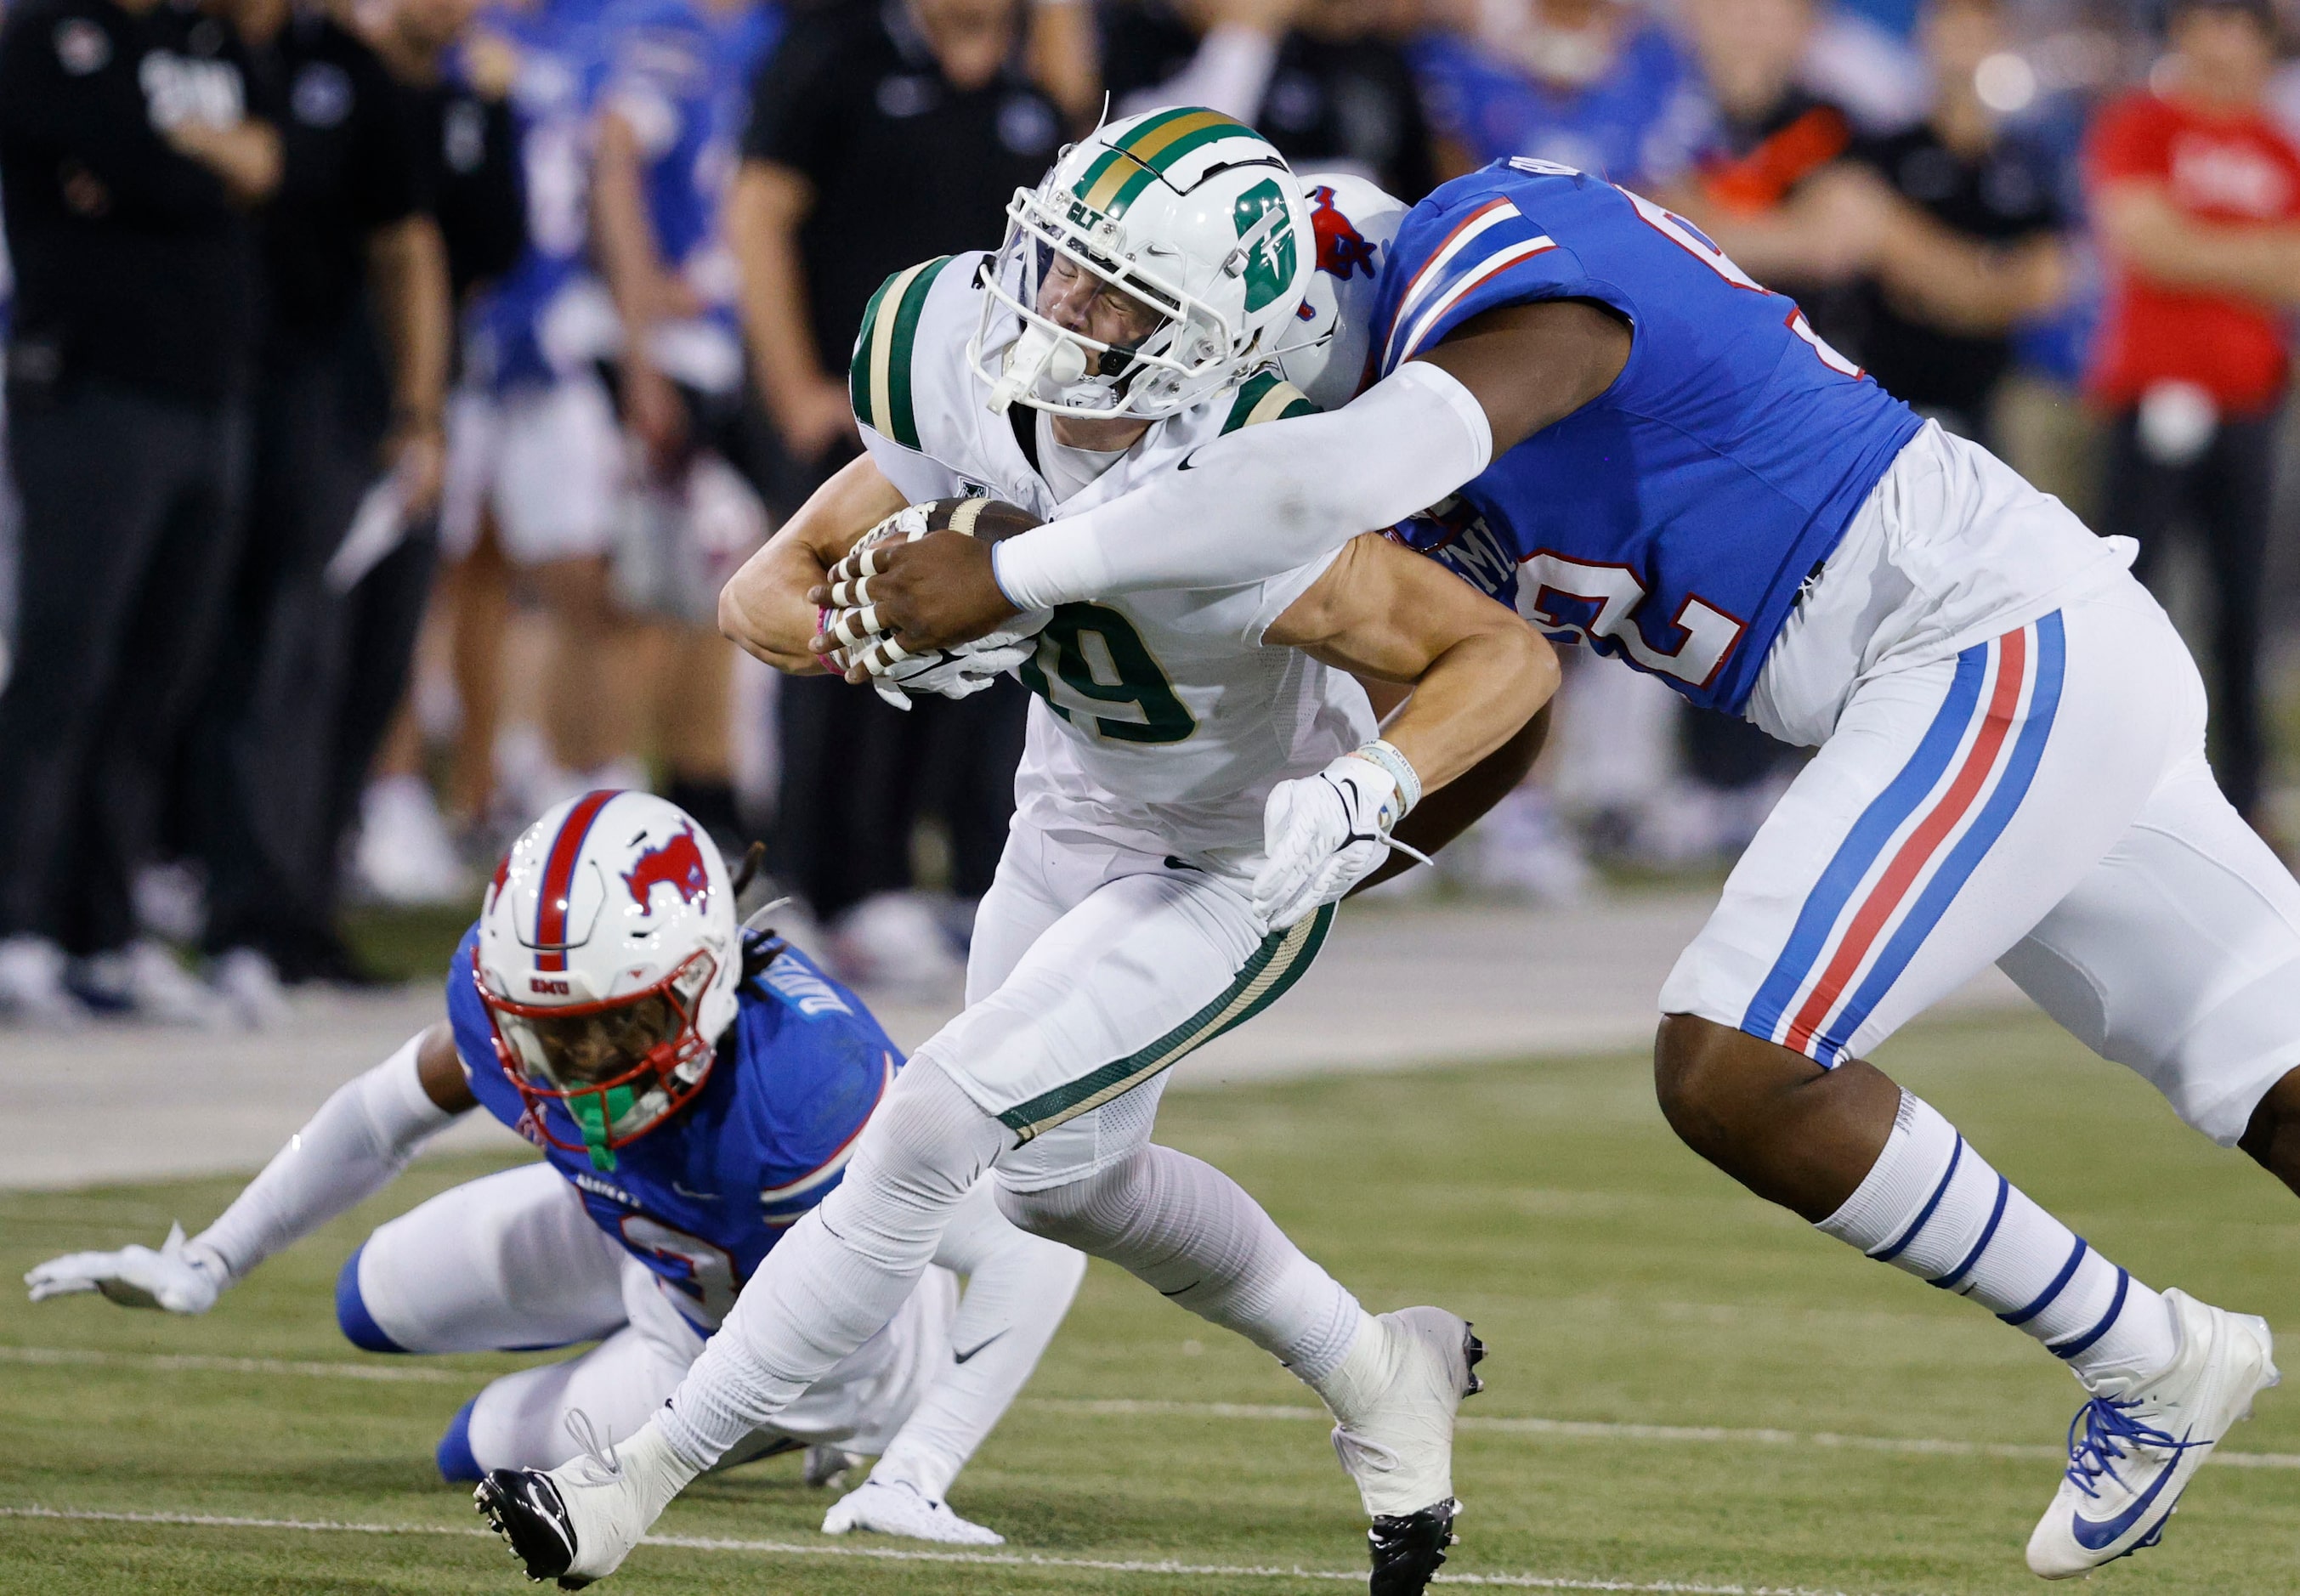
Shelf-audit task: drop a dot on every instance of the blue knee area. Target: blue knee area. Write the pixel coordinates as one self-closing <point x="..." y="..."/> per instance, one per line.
<point x="457" y="1465"/>
<point x="352" y="1317"/>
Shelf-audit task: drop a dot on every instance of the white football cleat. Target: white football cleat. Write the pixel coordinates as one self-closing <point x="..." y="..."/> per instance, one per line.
<point x="578" y="1522"/>
<point x="897" y="1507"/>
<point x="2134" y="1447"/>
<point x="1395" y="1396"/>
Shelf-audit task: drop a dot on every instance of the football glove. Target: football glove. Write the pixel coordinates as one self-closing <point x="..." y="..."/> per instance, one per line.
<point x="180" y="1278"/>
<point x="897" y="1508"/>
<point x="1324" y="834"/>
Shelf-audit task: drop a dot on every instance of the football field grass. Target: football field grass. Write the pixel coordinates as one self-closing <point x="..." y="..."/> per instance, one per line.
<point x="1688" y="1391"/>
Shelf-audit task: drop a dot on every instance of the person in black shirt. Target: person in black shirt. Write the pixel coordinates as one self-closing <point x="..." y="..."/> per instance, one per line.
<point x="464" y="140"/>
<point x="323" y="624"/>
<point x="131" y="145"/>
<point x="882" y="133"/>
<point x="1969" y="236"/>
<point x="1311" y="76"/>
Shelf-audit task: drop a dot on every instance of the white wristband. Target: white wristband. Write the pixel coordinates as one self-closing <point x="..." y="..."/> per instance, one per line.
<point x="1400" y="769"/>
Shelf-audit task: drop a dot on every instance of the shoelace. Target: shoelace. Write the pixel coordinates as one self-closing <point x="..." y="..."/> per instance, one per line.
<point x="2109" y="1433"/>
<point x="601" y="1454"/>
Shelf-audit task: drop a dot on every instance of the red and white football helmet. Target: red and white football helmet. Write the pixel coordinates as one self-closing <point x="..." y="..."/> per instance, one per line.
<point x="608" y="961"/>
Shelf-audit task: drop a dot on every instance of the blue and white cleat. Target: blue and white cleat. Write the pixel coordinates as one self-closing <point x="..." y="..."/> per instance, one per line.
<point x="2134" y="1447"/>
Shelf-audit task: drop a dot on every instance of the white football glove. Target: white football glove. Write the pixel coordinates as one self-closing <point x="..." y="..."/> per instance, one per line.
<point x="179" y="1278"/>
<point x="897" y="1508"/>
<point x="1322" y="835"/>
<point x="898" y="676"/>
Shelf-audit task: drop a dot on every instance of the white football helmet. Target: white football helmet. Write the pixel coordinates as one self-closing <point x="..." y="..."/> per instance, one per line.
<point x="1196" y="216"/>
<point x="1353" y="221"/>
<point x="608" y="961"/>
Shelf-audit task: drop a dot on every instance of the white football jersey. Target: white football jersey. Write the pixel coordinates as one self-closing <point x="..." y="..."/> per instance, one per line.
<point x="1159" y="714"/>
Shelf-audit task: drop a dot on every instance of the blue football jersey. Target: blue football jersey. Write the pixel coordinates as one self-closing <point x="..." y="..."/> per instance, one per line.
<point x="703" y="1196"/>
<point x="1671" y="520"/>
<point x="1646" y="119"/>
<point x="681" y="73"/>
<point x="561" y="61"/>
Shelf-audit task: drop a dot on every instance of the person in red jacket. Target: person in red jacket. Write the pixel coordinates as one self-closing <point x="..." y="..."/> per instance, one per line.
<point x="2196" y="196"/>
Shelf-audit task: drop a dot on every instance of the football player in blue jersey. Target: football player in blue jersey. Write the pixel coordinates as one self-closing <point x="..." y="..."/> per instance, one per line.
<point x="1656" y="456"/>
<point x="695" y="1089"/>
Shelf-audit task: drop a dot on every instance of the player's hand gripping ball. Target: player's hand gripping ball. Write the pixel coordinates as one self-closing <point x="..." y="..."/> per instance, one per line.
<point x="863" y="648"/>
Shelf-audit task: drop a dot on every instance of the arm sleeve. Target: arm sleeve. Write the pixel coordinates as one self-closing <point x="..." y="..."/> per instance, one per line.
<point x="1018" y="1288"/>
<point x="349" y="1151"/>
<point x="1264" y="500"/>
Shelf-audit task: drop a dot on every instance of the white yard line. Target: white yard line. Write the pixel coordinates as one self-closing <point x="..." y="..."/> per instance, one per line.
<point x="979" y="1559"/>
<point x="1581" y="1429"/>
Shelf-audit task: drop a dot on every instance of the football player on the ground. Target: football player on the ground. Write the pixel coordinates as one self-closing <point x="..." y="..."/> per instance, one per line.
<point x="1666" y="462"/>
<point x="1137" y="912"/>
<point x="695" y="1090"/>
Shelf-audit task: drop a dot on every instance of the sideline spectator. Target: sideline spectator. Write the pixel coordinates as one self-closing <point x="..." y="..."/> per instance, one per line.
<point x="322" y="631"/>
<point x="1593" y="83"/>
<point x="671" y="118"/>
<point x="1754" y="191"/>
<point x="535" y="461"/>
<point x="881" y="134"/>
<point x="2195" y="195"/>
<point x="129" y="159"/>
<point x="1315" y="76"/>
<point x="1970" y="238"/>
<point x="465" y="146"/>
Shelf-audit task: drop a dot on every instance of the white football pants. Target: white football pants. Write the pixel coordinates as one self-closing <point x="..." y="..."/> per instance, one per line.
<point x="2039" y="801"/>
<point x="512" y="1262"/>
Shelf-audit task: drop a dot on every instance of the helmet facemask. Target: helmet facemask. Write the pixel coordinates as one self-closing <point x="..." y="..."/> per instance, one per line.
<point x="1191" y="352"/>
<point x="620" y="1066"/>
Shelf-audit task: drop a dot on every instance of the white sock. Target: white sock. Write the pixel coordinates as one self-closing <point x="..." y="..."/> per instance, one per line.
<point x="1198" y="1239"/>
<point x="1933" y="1206"/>
<point x="842" y="1272"/>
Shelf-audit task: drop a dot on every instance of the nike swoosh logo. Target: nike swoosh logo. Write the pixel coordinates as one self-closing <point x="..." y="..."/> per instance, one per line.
<point x="962" y="1357"/>
<point x="2095" y="1534"/>
<point x="1187" y="459"/>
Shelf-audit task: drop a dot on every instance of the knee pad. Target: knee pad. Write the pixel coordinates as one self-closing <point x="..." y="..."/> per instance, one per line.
<point x="352" y="1317"/>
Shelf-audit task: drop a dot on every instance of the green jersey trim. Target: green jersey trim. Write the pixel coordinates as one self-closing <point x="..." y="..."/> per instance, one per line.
<point x="879" y="377"/>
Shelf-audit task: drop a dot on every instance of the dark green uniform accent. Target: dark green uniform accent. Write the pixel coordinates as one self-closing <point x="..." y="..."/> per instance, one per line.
<point x="1274" y="967"/>
<point x="1141" y="681"/>
<point x="878" y="377"/>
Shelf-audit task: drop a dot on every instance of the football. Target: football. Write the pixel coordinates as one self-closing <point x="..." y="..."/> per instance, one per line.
<point x="994" y="520"/>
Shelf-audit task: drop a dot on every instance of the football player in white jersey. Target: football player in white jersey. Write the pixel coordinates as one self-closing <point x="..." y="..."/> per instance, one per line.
<point x="2010" y="763"/>
<point x="1137" y="911"/>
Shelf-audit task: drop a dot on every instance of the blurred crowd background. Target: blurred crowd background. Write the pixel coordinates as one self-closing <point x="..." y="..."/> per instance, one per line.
<point x="391" y="384"/>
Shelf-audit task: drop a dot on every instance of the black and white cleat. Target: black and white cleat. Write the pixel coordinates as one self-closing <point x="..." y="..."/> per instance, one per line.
<point x="524" y="1507"/>
<point x="1408" y="1551"/>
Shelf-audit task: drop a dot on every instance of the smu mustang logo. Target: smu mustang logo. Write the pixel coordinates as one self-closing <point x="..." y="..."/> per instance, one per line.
<point x="677" y="863"/>
<point x="1342" y="249"/>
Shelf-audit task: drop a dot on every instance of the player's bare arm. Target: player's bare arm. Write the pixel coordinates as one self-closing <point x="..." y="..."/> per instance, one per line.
<point x="351" y="1149"/>
<point x="1478" y="672"/>
<point x="1309" y="483"/>
<point x="765" y="608"/>
<point x="1480" y="675"/>
<point x="439" y="1070"/>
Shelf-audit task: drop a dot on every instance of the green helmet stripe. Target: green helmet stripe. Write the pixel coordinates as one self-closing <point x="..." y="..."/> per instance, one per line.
<point x="1177" y="139"/>
<point x="1112" y="183"/>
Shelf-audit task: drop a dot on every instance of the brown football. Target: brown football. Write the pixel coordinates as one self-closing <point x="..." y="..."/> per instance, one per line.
<point x="993" y="521"/>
